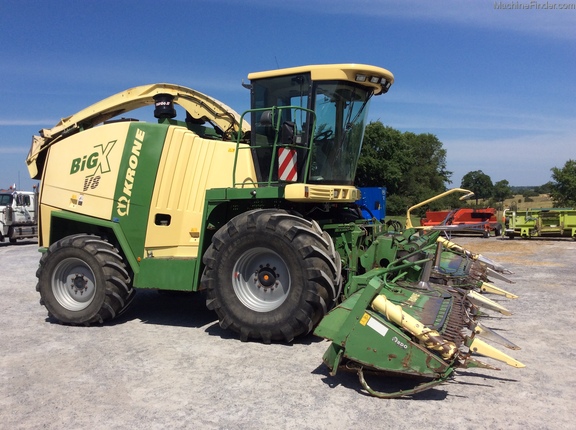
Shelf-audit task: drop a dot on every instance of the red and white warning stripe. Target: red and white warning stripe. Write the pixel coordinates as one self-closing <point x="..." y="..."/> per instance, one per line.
<point x="287" y="164"/>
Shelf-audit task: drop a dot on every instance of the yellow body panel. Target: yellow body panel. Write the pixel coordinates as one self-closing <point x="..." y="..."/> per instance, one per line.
<point x="321" y="193"/>
<point x="84" y="178"/>
<point x="188" y="167"/>
<point x="197" y="104"/>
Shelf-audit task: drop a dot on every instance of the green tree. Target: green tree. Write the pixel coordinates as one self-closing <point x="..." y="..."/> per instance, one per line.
<point x="547" y="188"/>
<point x="411" y="166"/>
<point x="427" y="175"/>
<point x="385" y="158"/>
<point x="501" y="192"/>
<point x="478" y="182"/>
<point x="564" y="188"/>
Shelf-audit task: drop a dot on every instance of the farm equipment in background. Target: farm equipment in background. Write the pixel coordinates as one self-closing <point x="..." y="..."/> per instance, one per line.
<point x="258" y="211"/>
<point x="554" y="222"/>
<point x="18" y="211"/>
<point x="458" y="220"/>
<point x="465" y="220"/>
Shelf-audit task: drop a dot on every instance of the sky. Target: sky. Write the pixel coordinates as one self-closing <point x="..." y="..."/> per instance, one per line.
<point x="494" y="81"/>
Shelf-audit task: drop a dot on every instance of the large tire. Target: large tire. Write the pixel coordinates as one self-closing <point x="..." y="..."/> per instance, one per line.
<point x="271" y="275"/>
<point x="83" y="280"/>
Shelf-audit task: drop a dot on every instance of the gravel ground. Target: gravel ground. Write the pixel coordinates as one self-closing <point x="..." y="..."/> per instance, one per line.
<point x="166" y="363"/>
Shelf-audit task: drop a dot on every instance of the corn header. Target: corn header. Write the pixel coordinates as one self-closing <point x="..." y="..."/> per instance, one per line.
<point x="414" y="308"/>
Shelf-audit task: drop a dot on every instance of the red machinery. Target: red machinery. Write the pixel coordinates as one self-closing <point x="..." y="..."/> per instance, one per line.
<point x="464" y="220"/>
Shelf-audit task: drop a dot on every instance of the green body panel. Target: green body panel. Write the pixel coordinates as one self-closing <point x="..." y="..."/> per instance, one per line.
<point x="221" y="205"/>
<point x="364" y="336"/>
<point x="226" y="194"/>
<point x="177" y="274"/>
<point x="62" y="220"/>
<point x="366" y="247"/>
<point x="381" y="345"/>
<point x="136" y="178"/>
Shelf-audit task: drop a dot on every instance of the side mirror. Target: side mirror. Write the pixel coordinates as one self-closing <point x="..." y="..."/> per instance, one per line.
<point x="287" y="136"/>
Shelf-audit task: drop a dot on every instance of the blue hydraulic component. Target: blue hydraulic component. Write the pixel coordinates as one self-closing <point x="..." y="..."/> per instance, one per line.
<point x="373" y="202"/>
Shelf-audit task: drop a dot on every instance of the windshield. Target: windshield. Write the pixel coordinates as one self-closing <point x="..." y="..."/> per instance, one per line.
<point x="5" y="199"/>
<point x="320" y="122"/>
<point x="341" y="109"/>
<point x="280" y="116"/>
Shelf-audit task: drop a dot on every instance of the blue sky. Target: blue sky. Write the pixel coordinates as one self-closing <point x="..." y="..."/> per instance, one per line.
<point x="494" y="81"/>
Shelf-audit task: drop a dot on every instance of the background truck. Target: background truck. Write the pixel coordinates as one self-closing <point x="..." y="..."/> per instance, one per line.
<point x="258" y="211"/>
<point x="18" y="215"/>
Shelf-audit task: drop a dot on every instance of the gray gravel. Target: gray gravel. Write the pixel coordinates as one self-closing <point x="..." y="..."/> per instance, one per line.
<point x="167" y="364"/>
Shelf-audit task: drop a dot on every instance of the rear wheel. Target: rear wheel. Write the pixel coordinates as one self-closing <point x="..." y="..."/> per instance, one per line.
<point x="498" y="230"/>
<point x="271" y="275"/>
<point x="82" y="280"/>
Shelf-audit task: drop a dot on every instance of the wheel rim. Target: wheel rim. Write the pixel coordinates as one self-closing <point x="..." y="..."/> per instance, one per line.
<point x="261" y="279"/>
<point x="73" y="284"/>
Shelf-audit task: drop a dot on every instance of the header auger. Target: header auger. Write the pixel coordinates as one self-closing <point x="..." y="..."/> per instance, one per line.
<point x="258" y="210"/>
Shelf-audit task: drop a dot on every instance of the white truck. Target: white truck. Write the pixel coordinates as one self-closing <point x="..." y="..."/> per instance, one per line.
<point x="18" y="215"/>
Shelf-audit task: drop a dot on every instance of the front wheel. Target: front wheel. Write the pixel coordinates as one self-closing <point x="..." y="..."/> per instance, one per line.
<point x="271" y="275"/>
<point x="82" y="280"/>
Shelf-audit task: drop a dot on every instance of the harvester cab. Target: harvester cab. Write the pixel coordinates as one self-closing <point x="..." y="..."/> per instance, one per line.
<point x="309" y="122"/>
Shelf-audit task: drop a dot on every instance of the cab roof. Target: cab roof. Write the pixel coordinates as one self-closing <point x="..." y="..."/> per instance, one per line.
<point x="376" y="77"/>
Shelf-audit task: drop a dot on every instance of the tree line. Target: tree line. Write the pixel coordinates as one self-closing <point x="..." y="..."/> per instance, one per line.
<point x="412" y="167"/>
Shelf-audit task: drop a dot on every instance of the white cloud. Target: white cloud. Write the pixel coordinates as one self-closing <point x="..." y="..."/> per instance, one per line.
<point x="522" y="16"/>
<point x="434" y="111"/>
<point x="524" y="160"/>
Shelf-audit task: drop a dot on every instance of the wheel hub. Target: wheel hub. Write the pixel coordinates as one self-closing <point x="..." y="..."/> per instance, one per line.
<point x="266" y="277"/>
<point x="79" y="284"/>
<point x="261" y="279"/>
<point x="73" y="284"/>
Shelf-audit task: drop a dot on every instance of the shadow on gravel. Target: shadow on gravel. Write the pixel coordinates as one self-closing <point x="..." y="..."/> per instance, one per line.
<point x="180" y="309"/>
<point x="483" y="376"/>
<point x="173" y="308"/>
<point x="542" y="239"/>
<point x="379" y="382"/>
<point x="19" y="243"/>
<point x="216" y="330"/>
<point x="391" y="383"/>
